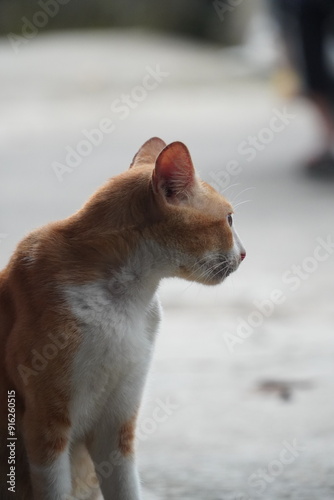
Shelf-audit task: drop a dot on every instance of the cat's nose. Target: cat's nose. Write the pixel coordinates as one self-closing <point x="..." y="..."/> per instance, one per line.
<point x="242" y="255"/>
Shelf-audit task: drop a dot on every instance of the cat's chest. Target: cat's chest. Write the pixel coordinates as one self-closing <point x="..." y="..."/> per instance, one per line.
<point x="113" y="357"/>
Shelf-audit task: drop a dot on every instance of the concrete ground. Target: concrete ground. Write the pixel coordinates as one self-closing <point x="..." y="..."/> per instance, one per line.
<point x="239" y="403"/>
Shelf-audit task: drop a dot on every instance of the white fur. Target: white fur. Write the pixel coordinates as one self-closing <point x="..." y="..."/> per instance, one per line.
<point x="238" y="247"/>
<point x="118" y="319"/>
<point x="116" y="347"/>
<point x="52" y="482"/>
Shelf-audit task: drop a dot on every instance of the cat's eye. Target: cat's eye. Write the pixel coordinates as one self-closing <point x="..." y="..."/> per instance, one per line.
<point x="230" y="219"/>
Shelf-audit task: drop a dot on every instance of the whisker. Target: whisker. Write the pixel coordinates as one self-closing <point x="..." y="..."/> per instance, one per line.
<point x="241" y="203"/>
<point x="209" y="272"/>
<point x="242" y="192"/>
<point x="205" y="270"/>
<point x="230" y="186"/>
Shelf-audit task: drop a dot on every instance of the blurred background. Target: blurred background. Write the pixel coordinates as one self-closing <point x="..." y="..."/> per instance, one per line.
<point x="243" y="373"/>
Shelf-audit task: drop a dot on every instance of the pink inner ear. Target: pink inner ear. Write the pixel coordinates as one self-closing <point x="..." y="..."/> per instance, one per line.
<point x="149" y="152"/>
<point x="174" y="171"/>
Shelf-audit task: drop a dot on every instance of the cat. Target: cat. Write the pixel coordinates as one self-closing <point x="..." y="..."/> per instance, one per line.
<point x="78" y="318"/>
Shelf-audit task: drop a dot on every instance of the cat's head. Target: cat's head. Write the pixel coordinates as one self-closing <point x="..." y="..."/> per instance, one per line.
<point x="195" y="223"/>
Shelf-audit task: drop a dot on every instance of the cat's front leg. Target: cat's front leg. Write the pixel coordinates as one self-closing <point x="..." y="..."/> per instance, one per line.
<point x="47" y="446"/>
<point x="111" y="448"/>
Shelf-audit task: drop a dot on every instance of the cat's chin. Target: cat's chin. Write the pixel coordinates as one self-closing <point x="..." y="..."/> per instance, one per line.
<point x="216" y="280"/>
<point x="210" y="279"/>
<point x="218" y="273"/>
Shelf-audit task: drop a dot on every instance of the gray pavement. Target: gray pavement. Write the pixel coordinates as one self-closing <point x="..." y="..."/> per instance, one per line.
<point x="243" y="373"/>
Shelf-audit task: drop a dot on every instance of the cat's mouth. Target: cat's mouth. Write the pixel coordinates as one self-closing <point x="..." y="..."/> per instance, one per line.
<point x="222" y="271"/>
<point x="214" y="271"/>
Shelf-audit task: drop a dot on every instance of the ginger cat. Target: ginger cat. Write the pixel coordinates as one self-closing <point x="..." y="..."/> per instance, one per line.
<point x="78" y="319"/>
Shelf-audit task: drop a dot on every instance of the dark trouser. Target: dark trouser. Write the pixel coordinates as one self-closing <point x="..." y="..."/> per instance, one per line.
<point x="306" y="27"/>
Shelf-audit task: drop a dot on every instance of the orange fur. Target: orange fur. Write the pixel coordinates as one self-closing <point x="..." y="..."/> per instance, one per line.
<point x="127" y="436"/>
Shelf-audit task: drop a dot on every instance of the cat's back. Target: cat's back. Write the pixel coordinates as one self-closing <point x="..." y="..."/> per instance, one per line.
<point x="6" y="308"/>
<point x="14" y="279"/>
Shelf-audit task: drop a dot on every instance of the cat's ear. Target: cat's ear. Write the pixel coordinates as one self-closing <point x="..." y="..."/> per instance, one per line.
<point x="149" y="152"/>
<point x="174" y="173"/>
